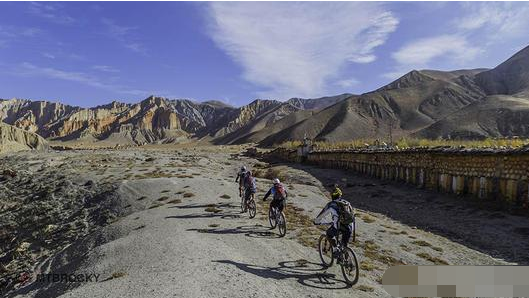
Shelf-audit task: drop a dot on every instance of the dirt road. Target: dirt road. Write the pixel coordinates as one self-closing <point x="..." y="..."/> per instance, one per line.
<point x="184" y="235"/>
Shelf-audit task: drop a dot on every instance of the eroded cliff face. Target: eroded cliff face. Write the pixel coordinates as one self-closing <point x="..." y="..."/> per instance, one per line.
<point x="155" y="119"/>
<point x="15" y="139"/>
<point x="153" y="116"/>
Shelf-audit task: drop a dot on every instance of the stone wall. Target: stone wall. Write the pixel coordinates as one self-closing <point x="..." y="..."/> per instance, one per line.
<point x="487" y="175"/>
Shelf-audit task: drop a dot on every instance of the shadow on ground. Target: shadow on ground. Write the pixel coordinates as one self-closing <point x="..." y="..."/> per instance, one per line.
<point x="255" y="231"/>
<point x="306" y="273"/>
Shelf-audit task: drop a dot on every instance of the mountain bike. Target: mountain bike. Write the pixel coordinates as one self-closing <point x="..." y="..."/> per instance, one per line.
<point x="277" y="218"/>
<point x="345" y="257"/>
<point x="248" y="204"/>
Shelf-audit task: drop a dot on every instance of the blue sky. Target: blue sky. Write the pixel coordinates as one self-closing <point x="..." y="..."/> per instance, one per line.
<point x="90" y="53"/>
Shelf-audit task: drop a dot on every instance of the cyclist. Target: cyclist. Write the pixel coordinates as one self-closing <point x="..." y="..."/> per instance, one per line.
<point x="240" y="178"/>
<point x="342" y="218"/>
<point x="279" y="195"/>
<point x="250" y="187"/>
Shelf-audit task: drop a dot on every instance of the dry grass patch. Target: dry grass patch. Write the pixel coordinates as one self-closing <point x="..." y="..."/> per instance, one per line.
<point x="435" y="260"/>
<point x="421" y="243"/>
<point x="269" y="173"/>
<point x="175" y="201"/>
<point x="367" y="265"/>
<point x="417" y="143"/>
<point x="213" y="225"/>
<point x="118" y="274"/>
<point x="367" y="218"/>
<point x="183" y="176"/>
<point x="189" y="195"/>
<point x="404" y="247"/>
<point x="371" y="251"/>
<point x="154" y="206"/>
<point x="212" y="209"/>
<point x="163" y="198"/>
<point x="225" y="196"/>
<point x="365" y="288"/>
<point x="157" y="174"/>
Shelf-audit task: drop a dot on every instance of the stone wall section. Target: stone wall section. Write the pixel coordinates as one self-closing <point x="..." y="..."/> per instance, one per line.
<point x="485" y="175"/>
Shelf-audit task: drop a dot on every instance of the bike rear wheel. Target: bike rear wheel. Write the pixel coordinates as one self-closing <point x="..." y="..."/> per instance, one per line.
<point x="282" y="224"/>
<point x="349" y="266"/>
<point x="252" y="208"/>
<point x="272" y="218"/>
<point x="325" y="250"/>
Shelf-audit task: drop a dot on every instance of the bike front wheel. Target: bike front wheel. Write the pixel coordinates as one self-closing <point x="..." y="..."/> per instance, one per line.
<point x="243" y="205"/>
<point x="272" y="218"/>
<point x="325" y="250"/>
<point x="282" y="224"/>
<point x="252" y="208"/>
<point x="349" y="266"/>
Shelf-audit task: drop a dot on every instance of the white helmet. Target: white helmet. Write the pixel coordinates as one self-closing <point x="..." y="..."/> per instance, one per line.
<point x="243" y="168"/>
<point x="276" y="181"/>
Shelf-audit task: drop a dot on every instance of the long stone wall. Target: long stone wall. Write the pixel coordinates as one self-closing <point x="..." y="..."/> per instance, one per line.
<point x="485" y="175"/>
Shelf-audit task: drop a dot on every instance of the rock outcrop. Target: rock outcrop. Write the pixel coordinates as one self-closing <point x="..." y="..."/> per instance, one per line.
<point x="15" y="139"/>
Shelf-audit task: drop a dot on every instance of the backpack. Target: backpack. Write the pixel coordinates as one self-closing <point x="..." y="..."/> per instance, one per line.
<point x="280" y="192"/>
<point x="250" y="183"/>
<point x="345" y="211"/>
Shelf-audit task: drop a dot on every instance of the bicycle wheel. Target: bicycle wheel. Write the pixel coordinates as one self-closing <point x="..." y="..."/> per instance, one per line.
<point x="252" y="208"/>
<point x="282" y="224"/>
<point x="325" y="250"/>
<point x="349" y="266"/>
<point x="272" y="218"/>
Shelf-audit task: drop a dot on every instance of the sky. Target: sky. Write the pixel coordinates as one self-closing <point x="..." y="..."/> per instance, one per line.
<point x="90" y="53"/>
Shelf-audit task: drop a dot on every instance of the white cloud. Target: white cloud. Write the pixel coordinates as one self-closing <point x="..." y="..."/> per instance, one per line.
<point x="294" y="49"/>
<point x="347" y="83"/>
<point x="421" y="52"/>
<point x="123" y="34"/>
<point x="499" y="19"/>
<point x="105" y="68"/>
<point x="48" y="55"/>
<point x="50" y="11"/>
<point x="29" y="69"/>
<point x="30" y="32"/>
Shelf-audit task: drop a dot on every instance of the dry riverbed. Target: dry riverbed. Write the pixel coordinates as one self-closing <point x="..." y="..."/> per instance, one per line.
<point x="165" y="221"/>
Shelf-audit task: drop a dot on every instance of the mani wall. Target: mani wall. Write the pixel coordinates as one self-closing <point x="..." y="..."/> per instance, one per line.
<point x="500" y="175"/>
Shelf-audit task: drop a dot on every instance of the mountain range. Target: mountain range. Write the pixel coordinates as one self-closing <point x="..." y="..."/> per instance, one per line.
<point x="470" y="104"/>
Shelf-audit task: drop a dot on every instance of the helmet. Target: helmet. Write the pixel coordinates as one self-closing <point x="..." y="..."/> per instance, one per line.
<point x="336" y="185"/>
<point x="243" y="168"/>
<point x="276" y="181"/>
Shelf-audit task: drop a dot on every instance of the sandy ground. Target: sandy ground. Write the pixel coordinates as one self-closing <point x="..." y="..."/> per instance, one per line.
<point x="176" y="230"/>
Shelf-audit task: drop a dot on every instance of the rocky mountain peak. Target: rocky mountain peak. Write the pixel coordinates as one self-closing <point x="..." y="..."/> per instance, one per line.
<point x="411" y="79"/>
<point x="509" y="78"/>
